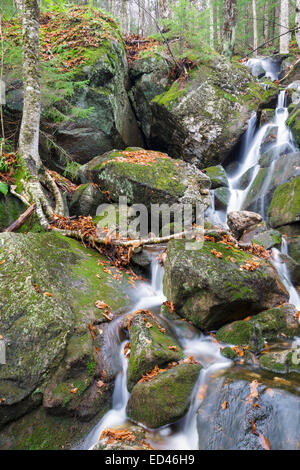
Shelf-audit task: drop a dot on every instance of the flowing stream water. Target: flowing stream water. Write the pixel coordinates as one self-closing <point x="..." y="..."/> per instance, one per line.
<point x="183" y="434"/>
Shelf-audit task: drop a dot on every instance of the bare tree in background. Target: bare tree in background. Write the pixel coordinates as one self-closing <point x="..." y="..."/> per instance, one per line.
<point x="284" y="27"/>
<point x="255" y="38"/>
<point x="229" y="27"/>
<point x="298" y="22"/>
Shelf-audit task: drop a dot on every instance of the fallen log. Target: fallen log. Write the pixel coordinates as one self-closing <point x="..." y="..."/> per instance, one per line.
<point x="21" y="220"/>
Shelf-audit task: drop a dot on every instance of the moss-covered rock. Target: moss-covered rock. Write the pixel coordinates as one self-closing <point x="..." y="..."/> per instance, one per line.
<point x="85" y="106"/>
<point x="49" y="289"/>
<point x="268" y="325"/>
<point x="229" y="353"/>
<point x="217" y="176"/>
<point x="212" y="291"/>
<point x="260" y="235"/>
<point x="285" y="205"/>
<point x="165" y="398"/>
<point x="204" y="119"/>
<point x="222" y="197"/>
<point x="241" y="333"/>
<point x="10" y="209"/>
<point x="149" y="347"/>
<point x="136" y="439"/>
<point x="147" y="177"/>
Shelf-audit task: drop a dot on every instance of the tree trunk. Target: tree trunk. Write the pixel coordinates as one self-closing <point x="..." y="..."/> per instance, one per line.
<point x="229" y="27"/>
<point x="298" y="22"/>
<point x="211" y="23"/>
<point x="255" y="38"/>
<point x="30" y="126"/>
<point x="284" y="26"/>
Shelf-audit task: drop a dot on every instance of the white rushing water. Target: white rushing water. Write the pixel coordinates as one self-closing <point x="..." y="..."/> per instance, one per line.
<point x="282" y="269"/>
<point x="251" y="153"/>
<point x="203" y="348"/>
<point x="264" y="65"/>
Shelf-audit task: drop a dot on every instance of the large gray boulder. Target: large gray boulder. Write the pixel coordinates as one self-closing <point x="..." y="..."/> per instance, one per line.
<point x="85" y="109"/>
<point x="239" y="221"/>
<point x="147" y="177"/>
<point x="212" y="285"/>
<point x="200" y="120"/>
<point x="165" y="398"/>
<point x="47" y="310"/>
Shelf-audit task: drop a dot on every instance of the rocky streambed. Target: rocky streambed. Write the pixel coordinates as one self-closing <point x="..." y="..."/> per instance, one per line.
<point x="182" y="349"/>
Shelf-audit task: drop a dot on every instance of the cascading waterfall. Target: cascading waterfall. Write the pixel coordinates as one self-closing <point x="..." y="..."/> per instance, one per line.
<point x="284" y="275"/>
<point x="252" y="151"/>
<point x="203" y="348"/>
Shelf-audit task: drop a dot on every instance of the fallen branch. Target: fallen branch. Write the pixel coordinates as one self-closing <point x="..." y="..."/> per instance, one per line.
<point x="270" y="40"/>
<point x="290" y="71"/>
<point x="188" y="234"/>
<point x="21" y="220"/>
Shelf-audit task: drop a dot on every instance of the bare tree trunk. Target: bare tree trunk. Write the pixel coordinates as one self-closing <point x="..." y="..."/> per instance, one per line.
<point x="298" y="22"/>
<point x="211" y="23"/>
<point x="229" y="28"/>
<point x="255" y="38"/>
<point x="284" y="26"/>
<point x="30" y="127"/>
<point x="29" y="133"/>
<point x="141" y="17"/>
<point x="124" y="16"/>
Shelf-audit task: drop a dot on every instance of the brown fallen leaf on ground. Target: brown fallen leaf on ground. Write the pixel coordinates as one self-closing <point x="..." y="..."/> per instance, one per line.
<point x="48" y="294"/>
<point x="253" y="426"/>
<point x="117" y="435"/>
<point x="217" y="254"/>
<point x="224" y="405"/>
<point x="173" y="348"/>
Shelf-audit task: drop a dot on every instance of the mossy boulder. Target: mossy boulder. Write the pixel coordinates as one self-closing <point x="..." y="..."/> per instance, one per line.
<point x="149" y="347"/>
<point x="203" y="119"/>
<point x="136" y="439"/>
<point x="281" y="362"/>
<point x="85" y="105"/>
<point x="222" y="197"/>
<point x="165" y="398"/>
<point x="49" y="287"/>
<point x="147" y="177"/>
<point x="261" y="235"/>
<point x="10" y="209"/>
<point x="211" y="291"/>
<point x="294" y="120"/>
<point x="285" y="205"/>
<point x="268" y="325"/>
<point x="217" y="176"/>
